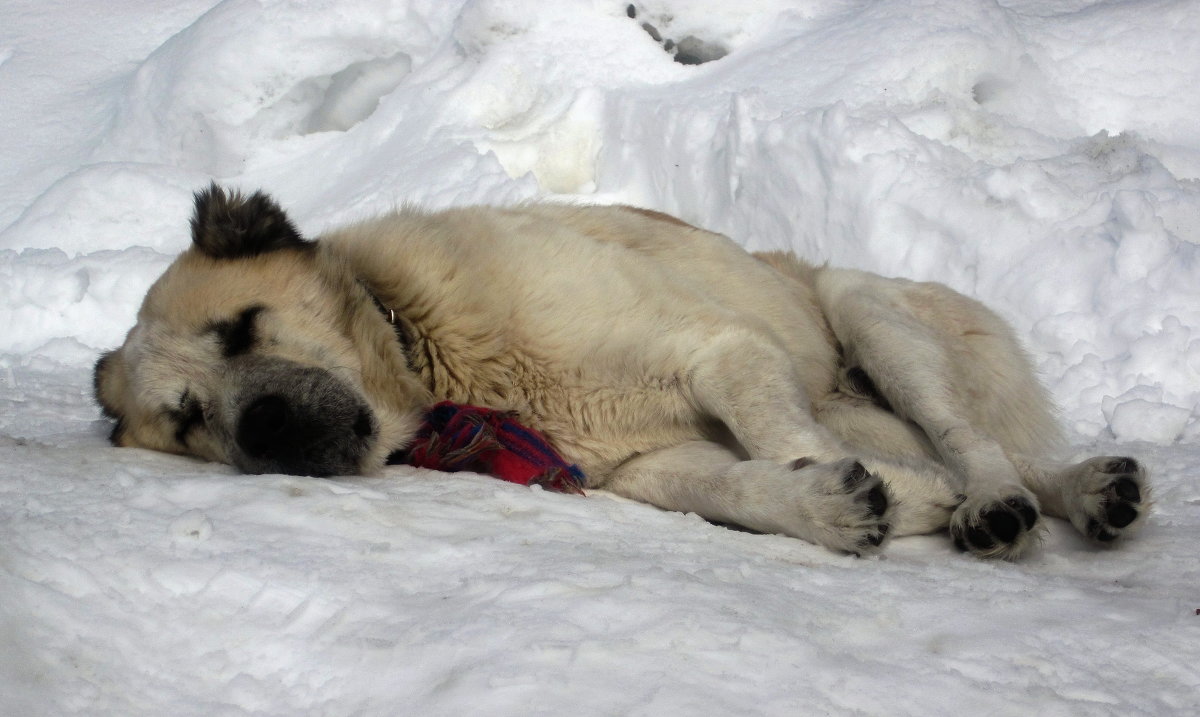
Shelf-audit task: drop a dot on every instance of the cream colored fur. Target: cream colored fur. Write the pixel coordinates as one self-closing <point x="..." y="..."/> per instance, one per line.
<point x="669" y="364"/>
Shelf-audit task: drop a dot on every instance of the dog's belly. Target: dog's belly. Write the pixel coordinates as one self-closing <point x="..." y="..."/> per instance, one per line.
<point x="599" y="404"/>
<point x="600" y="429"/>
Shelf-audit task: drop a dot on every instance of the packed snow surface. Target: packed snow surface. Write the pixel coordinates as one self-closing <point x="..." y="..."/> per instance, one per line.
<point x="1042" y="156"/>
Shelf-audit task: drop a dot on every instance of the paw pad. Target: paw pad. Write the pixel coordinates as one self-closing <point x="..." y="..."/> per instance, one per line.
<point x="996" y="529"/>
<point x="876" y="539"/>
<point x="1120" y="499"/>
<point x="866" y="514"/>
<point x="1127" y="489"/>
<point x="1120" y="515"/>
<point x="877" y="501"/>
<point x="1002" y="524"/>
<point x="855" y="476"/>
<point x="1025" y="509"/>
<point x="1097" y="531"/>
<point x="856" y="479"/>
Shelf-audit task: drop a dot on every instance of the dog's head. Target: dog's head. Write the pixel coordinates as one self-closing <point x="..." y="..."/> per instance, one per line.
<point x="259" y="348"/>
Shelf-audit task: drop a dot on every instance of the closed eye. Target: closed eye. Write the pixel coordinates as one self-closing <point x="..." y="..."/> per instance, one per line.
<point x="238" y="335"/>
<point x="187" y="417"/>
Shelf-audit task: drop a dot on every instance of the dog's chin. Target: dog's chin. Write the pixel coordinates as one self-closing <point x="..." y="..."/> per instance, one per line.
<point x="341" y="451"/>
<point x="335" y="461"/>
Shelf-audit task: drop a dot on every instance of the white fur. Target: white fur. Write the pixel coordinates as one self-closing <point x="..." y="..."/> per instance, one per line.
<point x="677" y="369"/>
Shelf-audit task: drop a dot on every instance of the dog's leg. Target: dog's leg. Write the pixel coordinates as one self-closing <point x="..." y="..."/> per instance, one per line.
<point x="951" y="366"/>
<point x="923" y="490"/>
<point x="838" y="504"/>
<point x="747" y="381"/>
<point x="1106" y="498"/>
<point x="742" y="378"/>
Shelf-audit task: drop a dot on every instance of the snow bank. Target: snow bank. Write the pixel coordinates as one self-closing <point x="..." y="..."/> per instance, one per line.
<point x="1038" y="160"/>
<point x="1043" y="157"/>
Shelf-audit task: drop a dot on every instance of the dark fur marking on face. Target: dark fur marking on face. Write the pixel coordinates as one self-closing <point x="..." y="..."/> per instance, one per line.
<point x="230" y="225"/>
<point x="237" y="336"/>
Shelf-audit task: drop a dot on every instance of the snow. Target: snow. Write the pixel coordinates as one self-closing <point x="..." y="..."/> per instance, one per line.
<point x="1041" y="156"/>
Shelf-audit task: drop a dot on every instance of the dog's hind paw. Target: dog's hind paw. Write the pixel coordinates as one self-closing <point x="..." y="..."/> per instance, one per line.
<point x="1107" y="498"/>
<point x="990" y="527"/>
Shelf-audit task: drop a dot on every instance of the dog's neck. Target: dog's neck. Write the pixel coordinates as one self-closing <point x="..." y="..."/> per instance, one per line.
<point x="392" y="318"/>
<point x="388" y="314"/>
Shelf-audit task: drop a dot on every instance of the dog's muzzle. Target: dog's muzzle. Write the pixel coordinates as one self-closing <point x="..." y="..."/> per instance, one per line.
<point x="298" y="420"/>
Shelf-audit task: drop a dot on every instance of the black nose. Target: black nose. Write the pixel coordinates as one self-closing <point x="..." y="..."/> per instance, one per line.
<point x="263" y="424"/>
<point x="363" y="425"/>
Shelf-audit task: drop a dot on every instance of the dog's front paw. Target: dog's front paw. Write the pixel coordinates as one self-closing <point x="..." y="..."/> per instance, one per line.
<point x="847" y="506"/>
<point x="990" y="527"/>
<point x="1107" y="498"/>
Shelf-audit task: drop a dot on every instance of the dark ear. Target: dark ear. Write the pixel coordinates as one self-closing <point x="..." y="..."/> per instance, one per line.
<point x="228" y="225"/>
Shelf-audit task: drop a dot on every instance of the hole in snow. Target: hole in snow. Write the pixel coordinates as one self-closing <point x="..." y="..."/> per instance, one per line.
<point x="988" y="89"/>
<point x="354" y="93"/>
<point x="694" y="51"/>
<point x="691" y="50"/>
